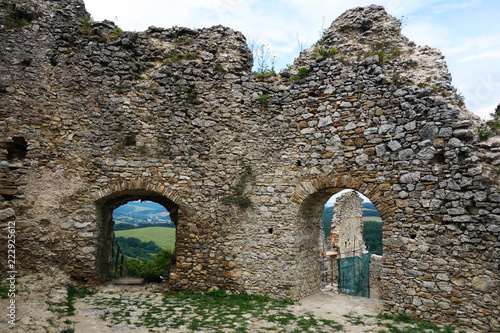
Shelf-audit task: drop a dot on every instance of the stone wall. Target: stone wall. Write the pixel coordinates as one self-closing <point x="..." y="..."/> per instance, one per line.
<point x="91" y="118"/>
<point x="347" y="226"/>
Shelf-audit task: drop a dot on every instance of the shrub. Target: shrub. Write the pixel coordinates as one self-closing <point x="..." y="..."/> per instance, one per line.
<point x="189" y="56"/>
<point x="483" y="135"/>
<point x="173" y="55"/>
<point x="263" y="100"/>
<point x="302" y="73"/>
<point x="86" y="27"/>
<point x="159" y="266"/>
<point x="191" y="94"/>
<point x="495" y="122"/>
<point x="238" y="196"/>
<point x="327" y="53"/>
<point x="115" y="34"/>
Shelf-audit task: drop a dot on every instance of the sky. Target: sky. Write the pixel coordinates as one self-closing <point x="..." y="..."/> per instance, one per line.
<point x="334" y="197"/>
<point x="466" y="31"/>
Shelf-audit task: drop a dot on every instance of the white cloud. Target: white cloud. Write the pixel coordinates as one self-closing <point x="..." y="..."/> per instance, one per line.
<point x="427" y="33"/>
<point x="480" y="43"/>
<point x="441" y="8"/>
<point x="480" y="56"/>
<point x="480" y="89"/>
<point x="485" y="112"/>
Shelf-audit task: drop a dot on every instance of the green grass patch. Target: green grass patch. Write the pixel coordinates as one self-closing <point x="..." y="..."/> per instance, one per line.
<point x="4" y="292"/>
<point x="216" y="311"/>
<point x="163" y="237"/>
<point x="403" y="324"/>
<point x="73" y="294"/>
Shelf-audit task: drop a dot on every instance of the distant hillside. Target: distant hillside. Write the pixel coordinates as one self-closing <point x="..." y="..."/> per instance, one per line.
<point x="369" y="210"/>
<point x="136" y="212"/>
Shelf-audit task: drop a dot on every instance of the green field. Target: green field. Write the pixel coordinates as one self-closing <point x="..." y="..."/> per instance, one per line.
<point x="163" y="237"/>
<point x="372" y="218"/>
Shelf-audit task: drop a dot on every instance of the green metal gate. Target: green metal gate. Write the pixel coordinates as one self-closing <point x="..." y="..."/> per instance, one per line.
<point x="354" y="275"/>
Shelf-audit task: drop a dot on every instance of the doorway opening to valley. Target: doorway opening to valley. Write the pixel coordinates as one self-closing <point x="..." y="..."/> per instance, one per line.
<point x="342" y="225"/>
<point x="136" y="236"/>
<point x="144" y="236"/>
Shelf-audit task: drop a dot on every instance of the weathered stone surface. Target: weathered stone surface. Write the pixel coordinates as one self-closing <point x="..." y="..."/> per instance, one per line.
<point x="90" y="121"/>
<point x="6" y="214"/>
<point x="429" y="132"/>
<point x="483" y="283"/>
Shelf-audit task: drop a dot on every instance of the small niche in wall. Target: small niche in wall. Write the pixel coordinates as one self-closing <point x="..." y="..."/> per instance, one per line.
<point x="17" y="149"/>
<point x="129" y="140"/>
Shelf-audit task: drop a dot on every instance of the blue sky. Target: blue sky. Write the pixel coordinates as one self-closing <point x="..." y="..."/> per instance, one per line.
<point x="466" y="31"/>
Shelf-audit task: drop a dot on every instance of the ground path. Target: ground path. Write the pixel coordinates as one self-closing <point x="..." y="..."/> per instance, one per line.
<point x="42" y="307"/>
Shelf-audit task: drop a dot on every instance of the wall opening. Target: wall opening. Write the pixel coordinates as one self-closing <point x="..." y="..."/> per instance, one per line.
<point x="17" y="149"/>
<point x="146" y="236"/>
<point x="322" y="250"/>
<point x="106" y="224"/>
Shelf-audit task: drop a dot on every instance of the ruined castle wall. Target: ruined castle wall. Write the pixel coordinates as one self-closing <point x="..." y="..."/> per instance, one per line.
<point x="90" y="120"/>
<point x="347" y="226"/>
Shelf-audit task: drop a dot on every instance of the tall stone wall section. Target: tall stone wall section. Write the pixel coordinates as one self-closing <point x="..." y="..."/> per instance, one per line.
<point x="347" y="226"/>
<point x="91" y="119"/>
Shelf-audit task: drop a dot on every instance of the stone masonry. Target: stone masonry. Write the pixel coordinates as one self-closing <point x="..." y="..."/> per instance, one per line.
<point x="92" y="117"/>
<point x="347" y="226"/>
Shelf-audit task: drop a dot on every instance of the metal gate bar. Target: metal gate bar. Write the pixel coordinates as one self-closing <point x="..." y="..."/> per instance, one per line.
<point x="354" y="275"/>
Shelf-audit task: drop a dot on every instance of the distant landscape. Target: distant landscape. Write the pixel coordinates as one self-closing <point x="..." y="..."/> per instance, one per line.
<point x="143" y="229"/>
<point x="137" y="212"/>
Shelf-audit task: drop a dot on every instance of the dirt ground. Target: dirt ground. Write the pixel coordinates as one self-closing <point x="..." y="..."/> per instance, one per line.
<point x="40" y="297"/>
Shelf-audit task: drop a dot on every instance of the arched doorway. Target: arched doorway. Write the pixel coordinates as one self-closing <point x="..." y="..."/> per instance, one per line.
<point x="105" y="207"/>
<point x="352" y="236"/>
<point x="311" y="197"/>
<point x="145" y="239"/>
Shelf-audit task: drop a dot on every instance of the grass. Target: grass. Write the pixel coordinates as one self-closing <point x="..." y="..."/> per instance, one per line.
<point x="73" y="294"/>
<point x="4" y="292"/>
<point x="372" y="218"/>
<point x="12" y="17"/>
<point x="483" y="135"/>
<point x="404" y="324"/>
<point x="215" y="311"/>
<point x="355" y="320"/>
<point x="163" y="237"/>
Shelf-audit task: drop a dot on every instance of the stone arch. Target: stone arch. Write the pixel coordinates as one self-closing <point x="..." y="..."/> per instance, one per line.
<point x="115" y="195"/>
<point x="311" y="196"/>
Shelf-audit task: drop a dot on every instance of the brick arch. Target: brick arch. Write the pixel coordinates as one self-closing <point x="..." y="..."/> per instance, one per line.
<point x="108" y="199"/>
<point x="310" y="197"/>
<point x="136" y="184"/>
<point x="380" y="195"/>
